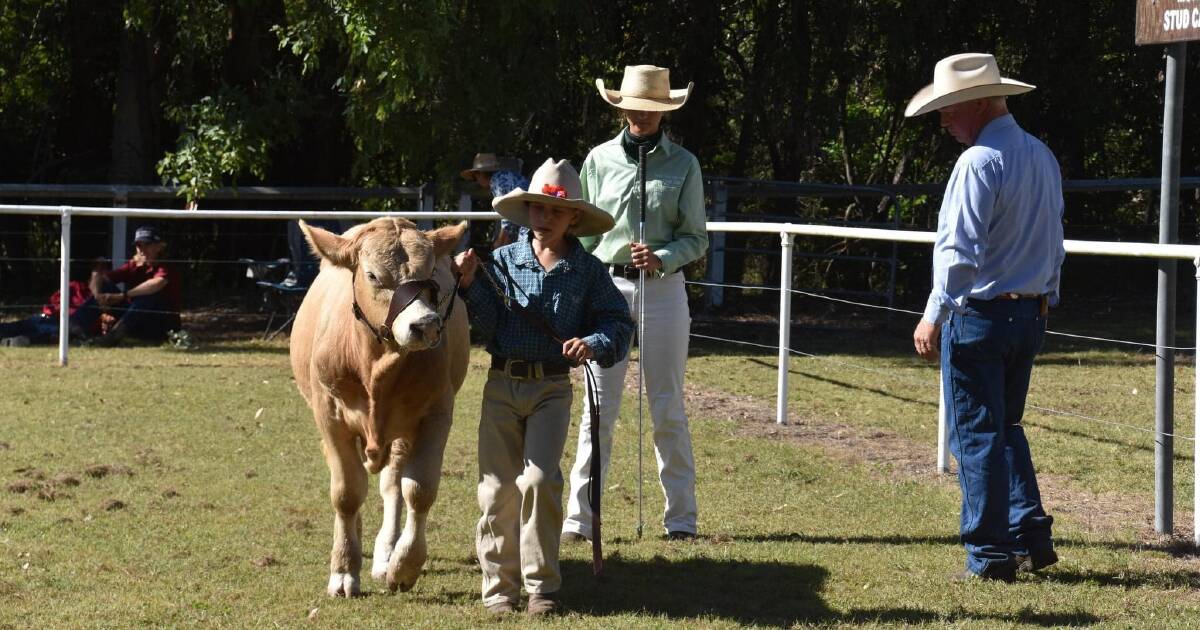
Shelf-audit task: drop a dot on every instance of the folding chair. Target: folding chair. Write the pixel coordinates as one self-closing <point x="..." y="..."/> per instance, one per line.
<point x="282" y="283"/>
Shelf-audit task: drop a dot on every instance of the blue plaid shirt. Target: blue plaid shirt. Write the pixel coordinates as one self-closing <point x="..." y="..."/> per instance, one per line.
<point x="577" y="298"/>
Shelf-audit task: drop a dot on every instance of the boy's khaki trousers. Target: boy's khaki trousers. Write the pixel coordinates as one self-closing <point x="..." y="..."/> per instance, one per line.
<point x="522" y="432"/>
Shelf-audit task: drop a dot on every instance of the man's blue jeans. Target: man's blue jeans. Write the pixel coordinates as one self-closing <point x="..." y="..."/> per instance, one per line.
<point x="987" y="357"/>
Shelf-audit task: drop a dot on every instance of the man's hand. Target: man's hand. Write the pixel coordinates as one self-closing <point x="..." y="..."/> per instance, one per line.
<point x="643" y="258"/>
<point x="576" y="351"/>
<point x="467" y="263"/>
<point x="926" y="339"/>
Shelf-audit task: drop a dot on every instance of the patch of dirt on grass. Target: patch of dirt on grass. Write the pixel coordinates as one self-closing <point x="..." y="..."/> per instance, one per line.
<point x="48" y="492"/>
<point x="169" y="493"/>
<point x="265" y="561"/>
<point x="22" y="486"/>
<point x="65" y="479"/>
<point x="100" y="471"/>
<point x="148" y="457"/>
<point x="4" y="446"/>
<point x="112" y="505"/>
<point x="30" y="472"/>
<point x="301" y="525"/>
<point x="891" y="456"/>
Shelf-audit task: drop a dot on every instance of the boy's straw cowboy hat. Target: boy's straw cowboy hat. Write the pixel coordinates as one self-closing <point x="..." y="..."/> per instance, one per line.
<point x="646" y="89"/>
<point x="961" y="78"/>
<point x="554" y="184"/>
<point x="490" y="163"/>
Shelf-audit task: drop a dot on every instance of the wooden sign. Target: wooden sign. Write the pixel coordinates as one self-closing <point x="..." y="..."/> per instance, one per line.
<point x="1166" y="21"/>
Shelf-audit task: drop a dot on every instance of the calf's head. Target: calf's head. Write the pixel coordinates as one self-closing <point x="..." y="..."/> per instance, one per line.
<point x="392" y="265"/>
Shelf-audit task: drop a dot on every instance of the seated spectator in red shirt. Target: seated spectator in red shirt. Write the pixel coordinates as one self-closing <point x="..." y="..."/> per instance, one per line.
<point x="148" y="306"/>
<point x="43" y="327"/>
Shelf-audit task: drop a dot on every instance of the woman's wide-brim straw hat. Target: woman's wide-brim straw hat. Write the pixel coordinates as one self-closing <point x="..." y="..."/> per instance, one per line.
<point x="556" y="184"/>
<point x="961" y="78"/>
<point x="645" y="89"/>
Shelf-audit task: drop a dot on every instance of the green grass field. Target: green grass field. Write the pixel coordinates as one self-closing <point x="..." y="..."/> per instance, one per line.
<point x="190" y="491"/>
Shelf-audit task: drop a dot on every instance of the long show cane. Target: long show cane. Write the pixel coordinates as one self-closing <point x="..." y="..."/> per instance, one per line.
<point x="641" y="319"/>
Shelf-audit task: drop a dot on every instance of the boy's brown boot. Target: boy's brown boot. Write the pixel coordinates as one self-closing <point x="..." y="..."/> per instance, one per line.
<point x="542" y="604"/>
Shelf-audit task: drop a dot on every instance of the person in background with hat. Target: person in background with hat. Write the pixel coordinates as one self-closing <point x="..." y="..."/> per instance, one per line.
<point x="526" y="408"/>
<point x="996" y="265"/>
<point x="148" y="307"/>
<point x="675" y="236"/>
<point x="500" y="176"/>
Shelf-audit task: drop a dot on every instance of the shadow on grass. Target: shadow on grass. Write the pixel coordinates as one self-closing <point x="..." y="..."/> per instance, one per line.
<point x="748" y="593"/>
<point x="819" y="539"/>
<point x="846" y="385"/>
<point x="1179" y="457"/>
<point x="243" y="348"/>
<point x="1176" y="547"/>
<point x="1127" y="579"/>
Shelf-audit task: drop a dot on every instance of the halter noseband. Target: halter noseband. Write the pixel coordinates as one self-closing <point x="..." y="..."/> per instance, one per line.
<point x="402" y="298"/>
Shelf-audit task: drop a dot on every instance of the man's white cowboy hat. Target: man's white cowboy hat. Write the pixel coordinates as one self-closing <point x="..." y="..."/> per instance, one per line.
<point x="555" y="184"/>
<point x="646" y="89"/>
<point x="961" y="78"/>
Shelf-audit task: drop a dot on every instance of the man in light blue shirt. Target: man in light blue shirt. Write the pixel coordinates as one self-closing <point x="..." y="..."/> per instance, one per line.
<point x="996" y="267"/>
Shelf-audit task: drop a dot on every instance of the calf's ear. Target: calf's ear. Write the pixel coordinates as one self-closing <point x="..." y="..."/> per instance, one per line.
<point x="332" y="247"/>
<point x="445" y="239"/>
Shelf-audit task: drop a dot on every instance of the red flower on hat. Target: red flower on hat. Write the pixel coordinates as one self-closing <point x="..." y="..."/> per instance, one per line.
<point x="554" y="191"/>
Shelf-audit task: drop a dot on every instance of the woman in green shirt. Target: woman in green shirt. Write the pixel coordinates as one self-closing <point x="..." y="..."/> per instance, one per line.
<point x="674" y="236"/>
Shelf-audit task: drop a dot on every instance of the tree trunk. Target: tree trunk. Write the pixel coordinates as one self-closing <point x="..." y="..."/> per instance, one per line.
<point x="133" y="147"/>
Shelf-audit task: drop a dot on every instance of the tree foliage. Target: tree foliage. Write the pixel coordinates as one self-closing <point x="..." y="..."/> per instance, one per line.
<point x="206" y="93"/>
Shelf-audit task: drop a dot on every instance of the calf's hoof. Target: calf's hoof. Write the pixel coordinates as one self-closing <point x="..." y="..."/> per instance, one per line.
<point x="379" y="569"/>
<point x="343" y="585"/>
<point x="405" y="568"/>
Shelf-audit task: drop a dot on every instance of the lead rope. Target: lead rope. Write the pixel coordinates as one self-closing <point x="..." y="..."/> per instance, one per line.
<point x="590" y="388"/>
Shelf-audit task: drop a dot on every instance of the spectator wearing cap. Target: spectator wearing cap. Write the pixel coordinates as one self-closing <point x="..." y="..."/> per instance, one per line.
<point x="148" y="306"/>
<point x="499" y="175"/>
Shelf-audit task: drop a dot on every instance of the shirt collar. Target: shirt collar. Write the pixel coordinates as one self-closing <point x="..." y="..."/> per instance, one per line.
<point x="664" y="143"/>
<point x="995" y="127"/>
<point x="523" y="255"/>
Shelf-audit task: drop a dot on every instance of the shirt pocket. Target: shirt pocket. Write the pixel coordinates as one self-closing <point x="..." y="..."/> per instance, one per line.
<point x="662" y="197"/>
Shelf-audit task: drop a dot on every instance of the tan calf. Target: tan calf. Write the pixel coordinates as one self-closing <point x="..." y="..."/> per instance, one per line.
<point x="382" y="395"/>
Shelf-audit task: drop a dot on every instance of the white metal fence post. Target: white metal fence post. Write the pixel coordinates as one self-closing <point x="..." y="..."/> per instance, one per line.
<point x="1196" y="418"/>
<point x="943" y="431"/>
<point x="64" y="290"/>
<point x="119" y="227"/>
<point x="716" y="256"/>
<point x="785" y="324"/>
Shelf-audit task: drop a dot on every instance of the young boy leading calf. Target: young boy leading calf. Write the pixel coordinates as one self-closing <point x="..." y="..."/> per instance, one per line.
<point x="527" y="399"/>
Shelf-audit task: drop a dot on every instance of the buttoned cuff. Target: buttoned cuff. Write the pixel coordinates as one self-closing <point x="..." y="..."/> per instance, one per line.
<point x="668" y="264"/>
<point x="935" y="312"/>
<point x="601" y="350"/>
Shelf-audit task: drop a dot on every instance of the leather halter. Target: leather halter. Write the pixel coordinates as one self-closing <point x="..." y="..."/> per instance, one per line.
<point x="403" y="297"/>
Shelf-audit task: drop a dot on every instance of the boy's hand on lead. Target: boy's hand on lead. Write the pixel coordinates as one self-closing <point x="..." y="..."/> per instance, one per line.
<point x="576" y="351"/>
<point x="467" y="263"/>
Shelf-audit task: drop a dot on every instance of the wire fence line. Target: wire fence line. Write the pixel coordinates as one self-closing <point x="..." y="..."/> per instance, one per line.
<point x="893" y="309"/>
<point x="926" y="385"/>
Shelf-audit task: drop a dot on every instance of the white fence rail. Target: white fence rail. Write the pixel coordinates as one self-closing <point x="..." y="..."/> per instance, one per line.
<point x="786" y="231"/>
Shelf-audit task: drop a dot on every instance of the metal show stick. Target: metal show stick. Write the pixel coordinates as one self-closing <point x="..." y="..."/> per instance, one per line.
<point x="641" y="333"/>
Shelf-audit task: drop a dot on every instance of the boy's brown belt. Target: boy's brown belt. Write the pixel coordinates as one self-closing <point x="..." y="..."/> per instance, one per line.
<point x="516" y="368"/>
